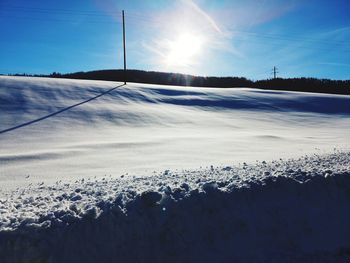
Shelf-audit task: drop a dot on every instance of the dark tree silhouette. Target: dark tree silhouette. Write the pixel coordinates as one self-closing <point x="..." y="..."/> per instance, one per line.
<point x="151" y="77"/>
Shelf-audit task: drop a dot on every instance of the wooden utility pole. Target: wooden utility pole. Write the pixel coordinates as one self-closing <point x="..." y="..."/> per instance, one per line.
<point x="124" y="47"/>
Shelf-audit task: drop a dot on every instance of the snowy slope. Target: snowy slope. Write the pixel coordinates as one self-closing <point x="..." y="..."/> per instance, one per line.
<point x="138" y="129"/>
<point x="94" y="171"/>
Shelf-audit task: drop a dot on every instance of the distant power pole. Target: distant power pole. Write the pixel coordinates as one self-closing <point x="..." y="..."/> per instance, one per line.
<point x="275" y="71"/>
<point x="124" y="47"/>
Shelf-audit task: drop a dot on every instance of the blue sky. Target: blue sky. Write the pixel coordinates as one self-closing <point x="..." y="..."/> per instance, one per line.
<point x="201" y="37"/>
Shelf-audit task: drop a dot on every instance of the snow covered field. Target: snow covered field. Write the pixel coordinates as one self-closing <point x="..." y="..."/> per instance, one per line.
<point x="98" y="171"/>
<point x="138" y="129"/>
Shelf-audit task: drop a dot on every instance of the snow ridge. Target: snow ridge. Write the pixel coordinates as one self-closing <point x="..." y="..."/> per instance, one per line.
<point x="293" y="210"/>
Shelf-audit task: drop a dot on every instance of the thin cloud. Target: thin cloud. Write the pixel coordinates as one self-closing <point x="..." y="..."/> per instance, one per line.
<point x="205" y="15"/>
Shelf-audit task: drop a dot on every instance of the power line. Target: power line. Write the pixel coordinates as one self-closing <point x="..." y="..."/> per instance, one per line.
<point x="142" y="17"/>
<point x="288" y="37"/>
<point x="65" y="21"/>
<point x="133" y="21"/>
<point x="49" y="10"/>
<point x="137" y="17"/>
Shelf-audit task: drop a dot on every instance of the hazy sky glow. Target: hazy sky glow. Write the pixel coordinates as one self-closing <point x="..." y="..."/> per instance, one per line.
<point x="222" y="38"/>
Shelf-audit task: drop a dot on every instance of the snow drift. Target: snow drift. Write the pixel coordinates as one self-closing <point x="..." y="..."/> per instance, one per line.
<point x="283" y="211"/>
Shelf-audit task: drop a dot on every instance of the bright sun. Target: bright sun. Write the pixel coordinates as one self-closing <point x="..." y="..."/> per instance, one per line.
<point x="183" y="50"/>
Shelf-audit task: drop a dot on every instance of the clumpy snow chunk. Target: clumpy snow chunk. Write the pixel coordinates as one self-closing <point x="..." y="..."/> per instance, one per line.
<point x="280" y="211"/>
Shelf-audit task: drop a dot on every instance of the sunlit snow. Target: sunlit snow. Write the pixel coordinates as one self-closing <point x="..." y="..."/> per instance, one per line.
<point x="94" y="171"/>
<point x="138" y="129"/>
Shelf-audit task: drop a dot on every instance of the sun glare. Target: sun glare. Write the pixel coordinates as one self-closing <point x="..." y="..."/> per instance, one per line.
<point x="183" y="50"/>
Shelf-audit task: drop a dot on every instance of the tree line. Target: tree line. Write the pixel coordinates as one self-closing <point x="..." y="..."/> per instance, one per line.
<point x="152" y="77"/>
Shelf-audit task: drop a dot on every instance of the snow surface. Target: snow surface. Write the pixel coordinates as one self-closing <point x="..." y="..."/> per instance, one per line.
<point x="138" y="129"/>
<point x="94" y="171"/>
<point x="280" y="211"/>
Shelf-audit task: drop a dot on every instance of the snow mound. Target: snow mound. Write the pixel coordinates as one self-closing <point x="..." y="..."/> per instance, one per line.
<point x="294" y="210"/>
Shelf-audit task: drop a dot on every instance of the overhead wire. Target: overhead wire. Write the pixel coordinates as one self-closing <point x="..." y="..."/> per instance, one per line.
<point x="137" y="16"/>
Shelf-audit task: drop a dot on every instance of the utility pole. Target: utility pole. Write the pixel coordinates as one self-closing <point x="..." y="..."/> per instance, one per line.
<point x="275" y="71"/>
<point x="124" y="48"/>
